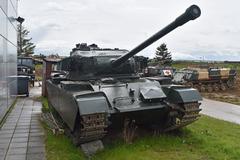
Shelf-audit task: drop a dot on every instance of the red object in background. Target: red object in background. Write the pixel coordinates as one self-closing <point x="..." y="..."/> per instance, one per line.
<point x="48" y="66"/>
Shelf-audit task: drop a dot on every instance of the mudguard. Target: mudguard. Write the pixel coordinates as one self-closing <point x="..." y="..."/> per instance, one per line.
<point x="181" y="94"/>
<point x="69" y="104"/>
<point x="92" y="104"/>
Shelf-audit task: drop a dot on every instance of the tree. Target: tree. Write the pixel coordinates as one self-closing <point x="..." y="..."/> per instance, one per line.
<point x="163" y="56"/>
<point x="39" y="56"/>
<point x="25" y="46"/>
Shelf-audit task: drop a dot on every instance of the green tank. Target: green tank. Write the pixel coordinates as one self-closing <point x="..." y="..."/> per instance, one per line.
<point x="96" y="90"/>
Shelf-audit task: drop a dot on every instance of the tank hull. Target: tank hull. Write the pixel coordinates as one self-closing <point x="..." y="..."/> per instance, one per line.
<point x="90" y="115"/>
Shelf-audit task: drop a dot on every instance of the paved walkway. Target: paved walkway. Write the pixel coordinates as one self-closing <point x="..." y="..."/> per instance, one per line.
<point x="22" y="136"/>
<point x="220" y="110"/>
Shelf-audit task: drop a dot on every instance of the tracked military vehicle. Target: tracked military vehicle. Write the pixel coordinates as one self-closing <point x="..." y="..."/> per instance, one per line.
<point x="161" y="74"/>
<point x="206" y="79"/>
<point x="152" y="71"/>
<point x="96" y="90"/>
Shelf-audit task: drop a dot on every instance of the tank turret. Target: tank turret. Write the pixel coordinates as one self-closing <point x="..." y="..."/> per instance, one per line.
<point x="93" y="62"/>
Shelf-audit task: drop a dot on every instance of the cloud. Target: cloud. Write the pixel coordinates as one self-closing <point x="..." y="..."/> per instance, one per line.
<point x="42" y="31"/>
<point x="53" y="6"/>
<point x="58" y="25"/>
<point x="47" y="47"/>
<point x="183" y="56"/>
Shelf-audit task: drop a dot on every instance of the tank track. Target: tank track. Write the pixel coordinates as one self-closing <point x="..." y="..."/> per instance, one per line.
<point x="183" y="115"/>
<point x="213" y="86"/>
<point x="93" y="127"/>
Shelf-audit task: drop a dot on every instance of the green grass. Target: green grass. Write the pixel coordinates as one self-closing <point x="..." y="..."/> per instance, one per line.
<point x="206" y="139"/>
<point x="59" y="147"/>
<point x="38" y="71"/>
<point x="185" y="64"/>
<point x="45" y="106"/>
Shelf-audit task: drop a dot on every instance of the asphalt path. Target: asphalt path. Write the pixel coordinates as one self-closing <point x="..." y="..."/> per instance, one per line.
<point x="221" y="110"/>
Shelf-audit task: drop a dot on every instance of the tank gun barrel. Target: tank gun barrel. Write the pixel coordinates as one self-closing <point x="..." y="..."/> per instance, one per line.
<point x="191" y="13"/>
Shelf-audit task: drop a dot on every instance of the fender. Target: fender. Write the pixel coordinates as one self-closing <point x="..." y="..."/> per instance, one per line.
<point x="178" y="94"/>
<point x="92" y="103"/>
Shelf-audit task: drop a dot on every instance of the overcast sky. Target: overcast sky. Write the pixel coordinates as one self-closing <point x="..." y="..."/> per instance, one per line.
<point x="57" y="25"/>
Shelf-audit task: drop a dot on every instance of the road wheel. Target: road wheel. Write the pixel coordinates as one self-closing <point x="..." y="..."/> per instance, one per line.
<point x="230" y="83"/>
<point x="196" y="87"/>
<point x="223" y="87"/>
<point x="209" y="88"/>
<point x="202" y="88"/>
<point x="189" y="84"/>
<point x="216" y="87"/>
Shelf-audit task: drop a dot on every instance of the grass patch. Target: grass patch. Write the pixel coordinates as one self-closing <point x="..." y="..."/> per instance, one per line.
<point x="59" y="147"/>
<point x="207" y="138"/>
<point x="45" y="105"/>
<point x="38" y="71"/>
<point x="185" y="64"/>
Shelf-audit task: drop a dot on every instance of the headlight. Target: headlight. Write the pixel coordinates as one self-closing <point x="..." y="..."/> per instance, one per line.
<point x="33" y="72"/>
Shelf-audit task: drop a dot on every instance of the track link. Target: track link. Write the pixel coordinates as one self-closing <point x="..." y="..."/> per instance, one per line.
<point x="190" y="113"/>
<point x="93" y="127"/>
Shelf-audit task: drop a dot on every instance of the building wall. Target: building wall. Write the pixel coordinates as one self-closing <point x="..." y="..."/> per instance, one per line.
<point x="8" y="54"/>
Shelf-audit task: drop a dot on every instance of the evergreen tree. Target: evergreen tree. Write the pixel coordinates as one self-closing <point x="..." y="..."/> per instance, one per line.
<point x="163" y="56"/>
<point x="25" y="46"/>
